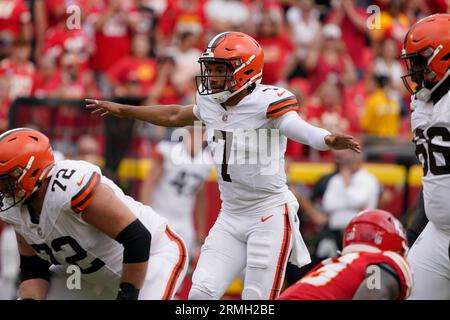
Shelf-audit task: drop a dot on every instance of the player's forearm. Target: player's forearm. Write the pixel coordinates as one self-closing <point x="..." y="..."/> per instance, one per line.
<point x="160" y="115"/>
<point x="134" y="273"/>
<point x="295" y="128"/>
<point x="35" y="289"/>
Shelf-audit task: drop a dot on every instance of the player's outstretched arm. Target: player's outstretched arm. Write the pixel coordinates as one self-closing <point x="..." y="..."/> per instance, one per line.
<point x="297" y="129"/>
<point x="34" y="273"/>
<point x="160" y="115"/>
<point x="110" y="215"/>
<point x="385" y="288"/>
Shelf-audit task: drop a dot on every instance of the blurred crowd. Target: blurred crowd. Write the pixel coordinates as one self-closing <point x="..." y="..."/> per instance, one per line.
<point x="340" y="57"/>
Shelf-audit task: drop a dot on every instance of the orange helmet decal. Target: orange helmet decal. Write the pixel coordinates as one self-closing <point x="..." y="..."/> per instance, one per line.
<point x="426" y="53"/>
<point x="26" y="159"/>
<point x="243" y="57"/>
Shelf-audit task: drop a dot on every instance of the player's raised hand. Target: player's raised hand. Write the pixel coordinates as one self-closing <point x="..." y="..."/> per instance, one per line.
<point x="339" y="141"/>
<point x="105" y="107"/>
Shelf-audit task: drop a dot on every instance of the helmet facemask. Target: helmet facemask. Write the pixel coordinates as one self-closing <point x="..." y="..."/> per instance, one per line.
<point x="217" y="78"/>
<point x="418" y="73"/>
<point x="11" y="194"/>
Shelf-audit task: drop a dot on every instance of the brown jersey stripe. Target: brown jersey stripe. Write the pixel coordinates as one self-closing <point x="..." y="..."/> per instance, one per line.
<point x="282" y="100"/>
<point x="176" y="272"/>
<point x="281" y="105"/>
<point x="282" y="258"/>
<point x="286" y="109"/>
<point x="81" y="200"/>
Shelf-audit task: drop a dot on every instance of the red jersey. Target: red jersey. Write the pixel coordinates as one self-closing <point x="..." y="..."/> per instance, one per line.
<point x="59" y="39"/>
<point x="13" y="13"/>
<point x="22" y="76"/>
<point x="339" y="278"/>
<point x="276" y="53"/>
<point x="130" y="68"/>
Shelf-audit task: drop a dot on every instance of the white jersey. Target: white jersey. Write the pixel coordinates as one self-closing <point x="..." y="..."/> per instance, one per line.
<point x="183" y="175"/>
<point x="62" y="237"/>
<point x="247" y="148"/>
<point x="430" y="125"/>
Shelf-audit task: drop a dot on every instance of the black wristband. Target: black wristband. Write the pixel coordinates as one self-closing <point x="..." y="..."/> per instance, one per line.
<point x="127" y="292"/>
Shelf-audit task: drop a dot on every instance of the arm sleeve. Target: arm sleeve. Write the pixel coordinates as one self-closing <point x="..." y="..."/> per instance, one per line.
<point x="297" y="129"/>
<point x="196" y="111"/>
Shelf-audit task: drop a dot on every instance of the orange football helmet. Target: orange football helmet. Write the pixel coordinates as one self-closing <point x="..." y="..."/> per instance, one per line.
<point x="243" y="58"/>
<point x="26" y="159"/>
<point x="426" y="53"/>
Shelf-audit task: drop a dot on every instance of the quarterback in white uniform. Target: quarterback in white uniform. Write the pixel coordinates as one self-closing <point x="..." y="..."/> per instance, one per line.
<point x="174" y="186"/>
<point x="69" y="218"/>
<point x="426" y="51"/>
<point x="247" y="127"/>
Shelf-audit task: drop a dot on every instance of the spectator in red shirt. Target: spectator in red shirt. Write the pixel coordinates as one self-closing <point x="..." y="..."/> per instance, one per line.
<point x="15" y="21"/>
<point x="326" y="110"/>
<point x="20" y="70"/>
<point x="164" y="91"/>
<point x="181" y="15"/>
<point x="278" y="49"/>
<point x="113" y="26"/>
<point x="75" y="83"/>
<point x="353" y="22"/>
<point x="47" y="78"/>
<point x="329" y="61"/>
<point x="60" y="39"/>
<point x="134" y="75"/>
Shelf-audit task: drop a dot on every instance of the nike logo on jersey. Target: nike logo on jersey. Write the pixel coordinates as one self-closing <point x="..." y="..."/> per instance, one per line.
<point x="281" y="93"/>
<point x="264" y="219"/>
<point x="81" y="181"/>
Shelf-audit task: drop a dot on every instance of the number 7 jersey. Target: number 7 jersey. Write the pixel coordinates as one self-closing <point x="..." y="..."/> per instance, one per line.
<point x="248" y="149"/>
<point x="62" y="237"/>
<point x="430" y="125"/>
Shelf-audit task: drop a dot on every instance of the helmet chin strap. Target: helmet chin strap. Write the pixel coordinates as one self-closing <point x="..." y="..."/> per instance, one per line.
<point x="424" y="94"/>
<point x="222" y="97"/>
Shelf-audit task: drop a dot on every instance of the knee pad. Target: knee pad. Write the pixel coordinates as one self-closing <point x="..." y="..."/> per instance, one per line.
<point x="203" y="286"/>
<point x="199" y="294"/>
<point x="252" y="293"/>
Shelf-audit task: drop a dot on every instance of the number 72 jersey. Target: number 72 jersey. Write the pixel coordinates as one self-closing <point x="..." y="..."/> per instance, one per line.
<point x="431" y="128"/>
<point x="62" y="237"/>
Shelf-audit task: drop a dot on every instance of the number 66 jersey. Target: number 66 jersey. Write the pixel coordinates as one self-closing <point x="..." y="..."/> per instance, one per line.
<point x="62" y="237"/>
<point x="430" y="125"/>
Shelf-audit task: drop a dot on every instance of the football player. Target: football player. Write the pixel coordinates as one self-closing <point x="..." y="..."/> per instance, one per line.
<point x="245" y="121"/>
<point x="426" y="52"/>
<point x="174" y="185"/>
<point x="71" y="219"/>
<point x="372" y="264"/>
